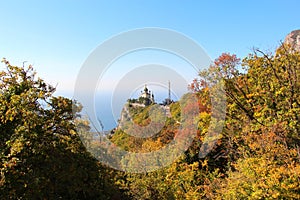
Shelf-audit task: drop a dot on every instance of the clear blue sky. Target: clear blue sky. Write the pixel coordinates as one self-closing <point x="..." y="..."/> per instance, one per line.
<point x="57" y="36"/>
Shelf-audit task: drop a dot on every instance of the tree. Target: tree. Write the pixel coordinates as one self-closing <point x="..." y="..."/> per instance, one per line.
<point x="261" y="134"/>
<point x="42" y="156"/>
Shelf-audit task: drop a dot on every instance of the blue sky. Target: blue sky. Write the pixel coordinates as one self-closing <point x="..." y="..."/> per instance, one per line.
<point x="57" y="36"/>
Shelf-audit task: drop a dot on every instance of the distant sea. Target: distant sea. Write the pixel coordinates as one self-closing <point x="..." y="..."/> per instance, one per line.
<point x="108" y="107"/>
<point x="108" y="110"/>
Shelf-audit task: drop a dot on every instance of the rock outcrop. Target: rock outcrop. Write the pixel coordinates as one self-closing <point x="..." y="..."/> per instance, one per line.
<point x="293" y="39"/>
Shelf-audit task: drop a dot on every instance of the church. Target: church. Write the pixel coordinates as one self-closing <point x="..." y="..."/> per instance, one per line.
<point x="146" y="97"/>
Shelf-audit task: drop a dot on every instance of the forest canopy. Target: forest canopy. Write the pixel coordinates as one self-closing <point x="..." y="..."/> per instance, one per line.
<point x="257" y="155"/>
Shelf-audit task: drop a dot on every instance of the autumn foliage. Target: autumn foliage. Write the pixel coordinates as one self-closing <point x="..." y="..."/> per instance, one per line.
<point x="256" y="155"/>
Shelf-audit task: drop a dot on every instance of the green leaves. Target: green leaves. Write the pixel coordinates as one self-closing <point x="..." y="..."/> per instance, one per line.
<point x="257" y="155"/>
<point x="40" y="151"/>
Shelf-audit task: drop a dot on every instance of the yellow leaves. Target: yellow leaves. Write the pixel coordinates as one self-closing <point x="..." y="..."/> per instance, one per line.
<point x="250" y="95"/>
<point x="275" y="195"/>
<point x="203" y="119"/>
<point x="9" y="115"/>
<point x="205" y="90"/>
<point x="149" y="146"/>
<point x="263" y="177"/>
<point x="41" y="94"/>
<point x="16" y="146"/>
<point x="15" y="99"/>
<point x="11" y="163"/>
<point x="204" y="163"/>
<point x="253" y="146"/>
<point x="205" y="116"/>
<point x="72" y="132"/>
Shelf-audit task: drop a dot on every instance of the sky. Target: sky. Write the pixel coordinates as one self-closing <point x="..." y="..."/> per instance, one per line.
<point x="57" y="36"/>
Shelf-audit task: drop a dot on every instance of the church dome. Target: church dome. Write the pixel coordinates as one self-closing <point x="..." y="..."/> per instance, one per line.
<point x="146" y="89"/>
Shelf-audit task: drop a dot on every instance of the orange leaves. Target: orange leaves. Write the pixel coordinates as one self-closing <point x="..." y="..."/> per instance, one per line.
<point x="194" y="86"/>
<point x="226" y="59"/>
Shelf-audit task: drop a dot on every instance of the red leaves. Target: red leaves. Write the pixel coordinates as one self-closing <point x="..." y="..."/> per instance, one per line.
<point x="227" y="60"/>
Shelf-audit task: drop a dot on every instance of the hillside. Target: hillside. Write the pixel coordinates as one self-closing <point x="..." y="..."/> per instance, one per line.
<point x="183" y="150"/>
<point x="257" y="155"/>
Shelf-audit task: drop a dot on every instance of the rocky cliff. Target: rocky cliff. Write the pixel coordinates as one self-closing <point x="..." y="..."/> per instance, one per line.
<point x="293" y="39"/>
